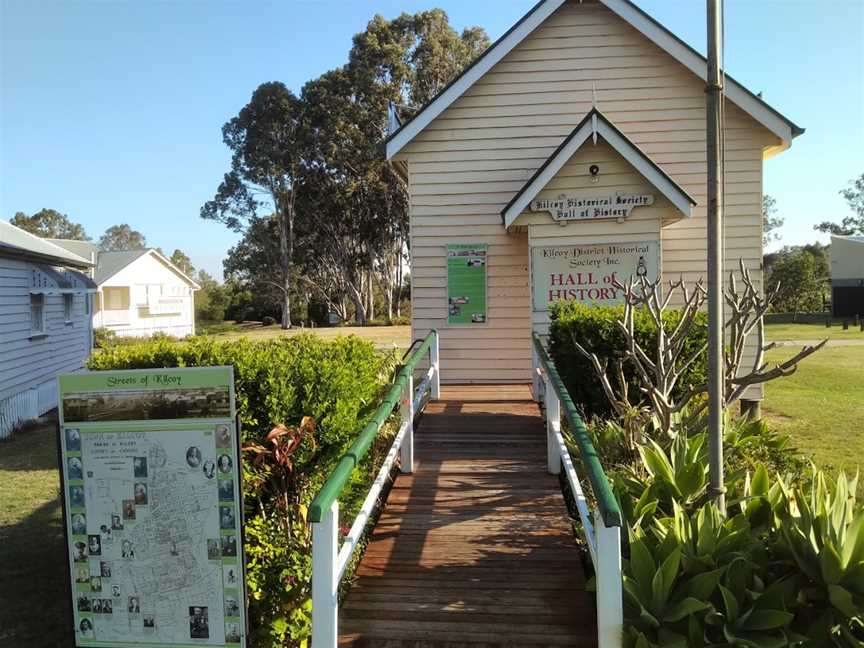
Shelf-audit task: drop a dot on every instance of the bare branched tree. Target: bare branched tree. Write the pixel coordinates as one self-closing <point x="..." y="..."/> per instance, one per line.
<point x="747" y="315"/>
<point x="659" y="373"/>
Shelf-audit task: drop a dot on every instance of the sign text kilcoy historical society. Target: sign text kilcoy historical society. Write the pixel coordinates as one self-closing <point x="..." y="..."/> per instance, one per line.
<point x="575" y="207"/>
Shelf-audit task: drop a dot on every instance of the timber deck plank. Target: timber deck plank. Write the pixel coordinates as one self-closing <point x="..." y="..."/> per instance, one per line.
<point x="474" y="549"/>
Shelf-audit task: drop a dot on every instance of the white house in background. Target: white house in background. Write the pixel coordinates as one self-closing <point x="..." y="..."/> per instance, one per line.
<point x="140" y="292"/>
<point x="45" y="322"/>
<point x="847" y="276"/>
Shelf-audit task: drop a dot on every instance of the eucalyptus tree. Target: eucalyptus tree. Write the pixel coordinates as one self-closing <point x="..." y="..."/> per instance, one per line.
<point x="267" y="140"/>
<point x="122" y="237"/>
<point x="49" y="223"/>
<point x="850" y="225"/>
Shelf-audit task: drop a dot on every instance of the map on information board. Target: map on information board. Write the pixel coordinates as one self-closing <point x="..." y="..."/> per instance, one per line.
<point x="466" y="283"/>
<point x="153" y="510"/>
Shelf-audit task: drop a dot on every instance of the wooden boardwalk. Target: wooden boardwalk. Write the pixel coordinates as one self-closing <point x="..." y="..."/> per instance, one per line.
<point x="474" y="549"/>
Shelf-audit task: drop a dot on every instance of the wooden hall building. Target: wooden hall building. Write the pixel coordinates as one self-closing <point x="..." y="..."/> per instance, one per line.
<point x="571" y="150"/>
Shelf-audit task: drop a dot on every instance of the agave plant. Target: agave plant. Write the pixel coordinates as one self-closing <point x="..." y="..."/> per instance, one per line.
<point x="751" y="614"/>
<point x="681" y="475"/>
<point x="658" y="597"/>
<point x="823" y="532"/>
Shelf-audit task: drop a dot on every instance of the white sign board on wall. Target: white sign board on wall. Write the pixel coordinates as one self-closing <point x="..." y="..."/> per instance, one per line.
<point x="586" y="273"/>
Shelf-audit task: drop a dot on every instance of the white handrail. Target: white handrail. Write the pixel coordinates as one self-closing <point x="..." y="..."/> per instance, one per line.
<point x="329" y="560"/>
<point x="604" y="543"/>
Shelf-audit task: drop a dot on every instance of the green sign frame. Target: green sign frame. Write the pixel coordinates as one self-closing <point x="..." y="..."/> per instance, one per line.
<point x="150" y="469"/>
<point x="466" y="283"/>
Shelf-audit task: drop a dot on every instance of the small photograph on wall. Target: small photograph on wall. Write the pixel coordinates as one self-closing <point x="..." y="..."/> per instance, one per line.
<point x="466" y="283"/>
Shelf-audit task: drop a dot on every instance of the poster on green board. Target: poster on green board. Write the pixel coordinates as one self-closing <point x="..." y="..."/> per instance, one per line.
<point x="153" y="512"/>
<point x="466" y="283"/>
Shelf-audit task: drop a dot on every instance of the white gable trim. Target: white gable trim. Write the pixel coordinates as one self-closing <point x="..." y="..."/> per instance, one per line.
<point x="654" y="31"/>
<point x="174" y="268"/>
<point x="637" y="159"/>
<point x="697" y="64"/>
<point x="487" y="60"/>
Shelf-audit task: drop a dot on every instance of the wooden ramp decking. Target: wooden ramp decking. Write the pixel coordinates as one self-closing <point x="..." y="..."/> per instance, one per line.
<point x="474" y="549"/>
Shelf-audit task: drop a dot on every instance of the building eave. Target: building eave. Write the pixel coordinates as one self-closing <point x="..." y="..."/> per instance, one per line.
<point x="749" y="102"/>
<point x="596" y="123"/>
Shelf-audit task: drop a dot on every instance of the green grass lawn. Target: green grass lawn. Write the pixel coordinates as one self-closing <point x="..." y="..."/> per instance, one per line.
<point x="34" y="608"/>
<point x="821" y="406"/>
<point x="382" y="336"/>
<point x="776" y="332"/>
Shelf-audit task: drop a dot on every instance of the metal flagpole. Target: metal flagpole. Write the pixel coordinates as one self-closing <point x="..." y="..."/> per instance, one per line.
<point x="713" y="90"/>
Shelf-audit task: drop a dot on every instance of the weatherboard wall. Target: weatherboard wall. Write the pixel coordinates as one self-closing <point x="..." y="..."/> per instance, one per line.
<point x="470" y="161"/>
<point x="29" y="364"/>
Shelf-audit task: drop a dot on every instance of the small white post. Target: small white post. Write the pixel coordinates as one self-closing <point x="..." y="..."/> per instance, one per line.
<point x="406" y="410"/>
<point x="553" y="423"/>
<point x="325" y="583"/>
<point x="535" y="377"/>
<point x="435" y="362"/>
<point x="610" y="606"/>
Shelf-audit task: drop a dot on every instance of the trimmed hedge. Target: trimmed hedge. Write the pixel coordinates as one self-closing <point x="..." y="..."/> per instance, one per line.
<point x="338" y="383"/>
<point x="596" y="330"/>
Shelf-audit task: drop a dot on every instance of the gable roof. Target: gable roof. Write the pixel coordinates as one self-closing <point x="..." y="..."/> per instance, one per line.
<point x="109" y="264"/>
<point x="595" y="123"/>
<point x="16" y="242"/>
<point x="750" y="103"/>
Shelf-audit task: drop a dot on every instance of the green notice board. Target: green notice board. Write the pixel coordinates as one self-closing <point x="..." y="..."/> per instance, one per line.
<point x="152" y="505"/>
<point x="466" y="283"/>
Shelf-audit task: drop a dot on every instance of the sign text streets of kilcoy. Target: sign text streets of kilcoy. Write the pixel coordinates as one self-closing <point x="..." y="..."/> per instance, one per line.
<point x="573" y="207"/>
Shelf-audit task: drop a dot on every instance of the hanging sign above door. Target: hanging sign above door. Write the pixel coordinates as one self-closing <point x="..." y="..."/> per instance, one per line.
<point x="567" y="207"/>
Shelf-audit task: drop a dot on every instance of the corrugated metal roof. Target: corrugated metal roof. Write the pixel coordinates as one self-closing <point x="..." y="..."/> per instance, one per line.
<point x="16" y="242"/>
<point x="110" y="263"/>
<point x="81" y="248"/>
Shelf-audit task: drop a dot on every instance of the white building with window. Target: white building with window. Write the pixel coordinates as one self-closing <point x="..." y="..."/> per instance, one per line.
<point x="45" y="322"/>
<point x="140" y="292"/>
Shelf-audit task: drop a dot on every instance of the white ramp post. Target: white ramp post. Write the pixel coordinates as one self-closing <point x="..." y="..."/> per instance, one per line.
<point x="325" y="579"/>
<point x="535" y="375"/>
<point x="406" y="410"/>
<point x="610" y="606"/>
<point x="435" y="361"/>
<point x="553" y="425"/>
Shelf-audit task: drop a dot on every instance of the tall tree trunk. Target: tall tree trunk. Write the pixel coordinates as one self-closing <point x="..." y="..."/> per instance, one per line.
<point x="285" y="262"/>
<point x="358" y="298"/>
<point x="399" y="278"/>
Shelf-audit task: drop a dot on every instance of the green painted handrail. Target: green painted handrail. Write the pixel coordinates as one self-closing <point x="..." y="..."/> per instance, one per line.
<point x="606" y="501"/>
<point x="332" y="488"/>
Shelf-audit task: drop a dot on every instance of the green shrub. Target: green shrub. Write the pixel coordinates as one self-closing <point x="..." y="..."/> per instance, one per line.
<point x="103" y="337"/>
<point x="268" y="321"/>
<point x="596" y="329"/>
<point x="281" y="381"/>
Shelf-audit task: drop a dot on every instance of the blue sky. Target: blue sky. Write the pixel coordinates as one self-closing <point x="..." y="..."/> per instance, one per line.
<point x="111" y="111"/>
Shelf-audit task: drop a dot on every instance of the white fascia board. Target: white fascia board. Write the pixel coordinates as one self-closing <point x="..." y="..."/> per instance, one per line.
<point x="171" y="266"/>
<point x="635" y="157"/>
<point x="697" y="64"/>
<point x="463" y="83"/>
<point x="638" y="162"/>
<point x="546" y="175"/>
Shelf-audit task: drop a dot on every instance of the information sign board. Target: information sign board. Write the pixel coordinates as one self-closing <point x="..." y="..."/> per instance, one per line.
<point x="587" y="273"/>
<point x="150" y="468"/>
<point x="466" y="283"/>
